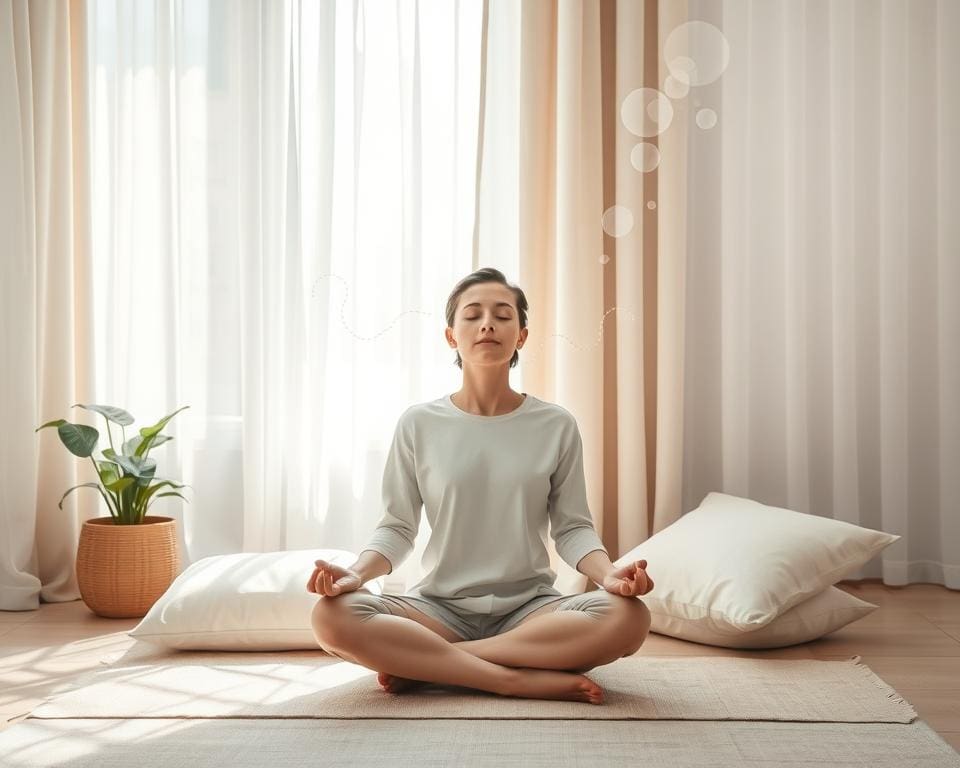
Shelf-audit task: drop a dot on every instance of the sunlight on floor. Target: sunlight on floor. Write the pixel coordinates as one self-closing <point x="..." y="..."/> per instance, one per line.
<point x="41" y="745"/>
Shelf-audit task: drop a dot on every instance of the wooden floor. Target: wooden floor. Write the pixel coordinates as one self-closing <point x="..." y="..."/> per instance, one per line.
<point x="912" y="641"/>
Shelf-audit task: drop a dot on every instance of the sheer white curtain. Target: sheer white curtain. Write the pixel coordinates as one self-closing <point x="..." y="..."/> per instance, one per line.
<point x="282" y="197"/>
<point x="822" y="355"/>
<point x="302" y="178"/>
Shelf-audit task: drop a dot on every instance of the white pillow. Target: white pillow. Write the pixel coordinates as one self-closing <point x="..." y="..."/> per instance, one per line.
<point x="248" y="601"/>
<point x="734" y="565"/>
<point x="815" y="617"/>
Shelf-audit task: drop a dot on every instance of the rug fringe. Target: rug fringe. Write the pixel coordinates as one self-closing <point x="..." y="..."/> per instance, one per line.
<point x="891" y="694"/>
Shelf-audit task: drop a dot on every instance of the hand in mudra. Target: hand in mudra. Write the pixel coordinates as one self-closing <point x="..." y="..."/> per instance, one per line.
<point x="330" y="580"/>
<point x="629" y="580"/>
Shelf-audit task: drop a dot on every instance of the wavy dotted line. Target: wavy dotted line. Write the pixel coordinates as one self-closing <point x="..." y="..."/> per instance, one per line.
<point x="527" y="356"/>
<point x="343" y="322"/>
<point x="578" y="347"/>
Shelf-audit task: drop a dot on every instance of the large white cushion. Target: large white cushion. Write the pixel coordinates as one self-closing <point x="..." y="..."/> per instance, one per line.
<point x="249" y="601"/>
<point x="815" y="617"/>
<point x="733" y="565"/>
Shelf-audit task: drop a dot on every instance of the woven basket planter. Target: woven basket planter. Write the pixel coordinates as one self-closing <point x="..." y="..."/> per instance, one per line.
<point x="122" y="570"/>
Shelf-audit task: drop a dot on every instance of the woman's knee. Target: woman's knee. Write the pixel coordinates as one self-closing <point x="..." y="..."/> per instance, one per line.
<point x="633" y="619"/>
<point x="626" y="619"/>
<point x="336" y="620"/>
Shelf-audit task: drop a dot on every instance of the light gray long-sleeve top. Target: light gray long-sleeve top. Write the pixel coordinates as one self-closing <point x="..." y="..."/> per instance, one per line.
<point x="490" y="486"/>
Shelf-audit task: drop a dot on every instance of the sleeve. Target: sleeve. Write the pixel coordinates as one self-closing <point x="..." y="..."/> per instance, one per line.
<point x="397" y="529"/>
<point x="571" y="525"/>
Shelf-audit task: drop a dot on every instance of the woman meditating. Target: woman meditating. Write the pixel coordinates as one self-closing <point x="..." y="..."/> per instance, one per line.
<point x="493" y="468"/>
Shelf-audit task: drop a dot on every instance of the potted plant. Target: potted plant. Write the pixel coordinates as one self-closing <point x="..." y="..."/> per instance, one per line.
<point x="126" y="561"/>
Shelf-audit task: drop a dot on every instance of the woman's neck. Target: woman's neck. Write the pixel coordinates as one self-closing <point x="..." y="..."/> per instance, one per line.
<point x="494" y="400"/>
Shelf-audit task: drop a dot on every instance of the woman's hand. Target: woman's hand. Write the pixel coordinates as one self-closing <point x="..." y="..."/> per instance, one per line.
<point x="330" y="580"/>
<point x="629" y="580"/>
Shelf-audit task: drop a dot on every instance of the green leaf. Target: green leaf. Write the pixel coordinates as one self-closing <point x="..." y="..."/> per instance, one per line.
<point x="137" y="466"/>
<point x="171" y="493"/>
<point x="108" y="472"/>
<point x="145" y="494"/>
<point x="147" y="475"/>
<point x="54" y="423"/>
<point x="116" y="415"/>
<point x="149" y="433"/>
<point x="118" y="485"/>
<point x="130" y="448"/>
<point x="127" y="501"/>
<point x="79" y="439"/>
<point x="82" y="485"/>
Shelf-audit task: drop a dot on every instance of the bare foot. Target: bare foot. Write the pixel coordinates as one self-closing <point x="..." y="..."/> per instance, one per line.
<point x="394" y="684"/>
<point x="553" y="684"/>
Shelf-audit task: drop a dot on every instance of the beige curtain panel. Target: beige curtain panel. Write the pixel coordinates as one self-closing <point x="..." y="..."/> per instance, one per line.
<point x="46" y="293"/>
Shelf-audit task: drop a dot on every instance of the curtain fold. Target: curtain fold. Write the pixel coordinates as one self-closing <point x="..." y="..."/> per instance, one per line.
<point x="821" y="333"/>
<point x="558" y="192"/>
<point x="45" y="296"/>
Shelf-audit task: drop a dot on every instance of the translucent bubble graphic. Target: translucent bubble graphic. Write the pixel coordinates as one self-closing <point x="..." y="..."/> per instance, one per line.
<point x="706" y="118"/>
<point x="645" y="156"/>
<point x="603" y="258"/>
<point x="652" y="204"/>
<point x="660" y="111"/>
<point x="677" y="86"/>
<point x="698" y="49"/>
<point x="646" y="112"/>
<point x="683" y="65"/>
<point x="617" y="221"/>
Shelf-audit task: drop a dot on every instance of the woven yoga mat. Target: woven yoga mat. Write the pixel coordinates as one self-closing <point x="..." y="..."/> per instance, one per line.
<point x="314" y="685"/>
<point x="475" y="743"/>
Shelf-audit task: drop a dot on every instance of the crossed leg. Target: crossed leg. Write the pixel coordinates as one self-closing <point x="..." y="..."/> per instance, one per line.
<point x="548" y="638"/>
<point x="354" y="628"/>
<point x="571" y="640"/>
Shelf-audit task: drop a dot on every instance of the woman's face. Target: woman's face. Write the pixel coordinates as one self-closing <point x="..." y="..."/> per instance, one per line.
<point x="486" y="311"/>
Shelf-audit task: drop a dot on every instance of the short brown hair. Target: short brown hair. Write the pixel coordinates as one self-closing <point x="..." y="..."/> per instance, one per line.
<point x="486" y="275"/>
